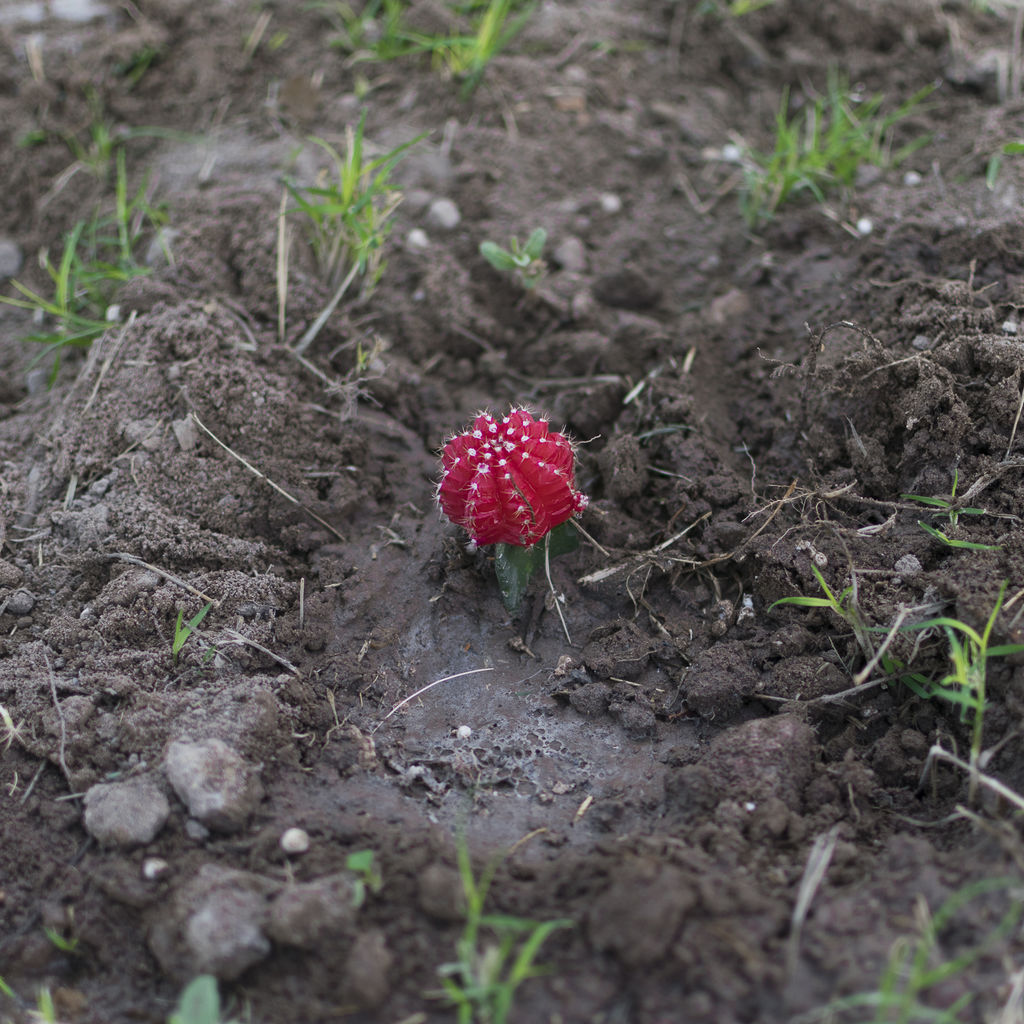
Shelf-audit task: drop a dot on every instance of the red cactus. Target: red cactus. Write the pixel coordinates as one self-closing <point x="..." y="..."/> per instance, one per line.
<point x="509" y="482"/>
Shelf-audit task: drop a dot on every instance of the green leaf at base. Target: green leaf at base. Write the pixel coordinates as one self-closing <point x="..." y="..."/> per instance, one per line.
<point x="515" y="565"/>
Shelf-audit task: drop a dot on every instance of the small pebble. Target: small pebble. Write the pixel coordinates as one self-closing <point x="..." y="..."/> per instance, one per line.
<point x="153" y="868"/>
<point x="570" y="255"/>
<point x="295" y="840"/>
<point x="912" y="178"/>
<point x="10" y="574"/>
<point x="908" y="565"/>
<point x="1010" y="327"/>
<point x="921" y="342"/>
<point x="216" y="784"/>
<point x="444" y="214"/>
<point x="610" y="202"/>
<point x="464" y="732"/>
<point x="125" y="814"/>
<point x="21" y="602"/>
<point x="113" y="314"/>
<point x="196" y="830"/>
<point x="10" y="257"/>
<point x="865" y="226"/>
<point x="732" y="154"/>
<point x="417" y="239"/>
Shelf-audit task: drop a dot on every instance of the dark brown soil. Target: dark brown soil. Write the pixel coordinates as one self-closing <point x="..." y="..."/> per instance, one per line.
<point x="754" y="405"/>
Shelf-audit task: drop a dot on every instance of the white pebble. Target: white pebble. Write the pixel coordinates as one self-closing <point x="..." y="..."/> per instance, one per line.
<point x="912" y="178"/>
<point x="865" y="226"/>
<point x="464" y="732"/>
<point x="153" y="868"/>
<point x="417" y="239"/>
<point x="610" y="202"/>
<point x="1010" y="327"/>
<point x="113" y="314"/>
<point x="732" y="154"/>
<point x="750" y="806"/>
<point x="295" y="840"/>
<point x="444" y="214"/>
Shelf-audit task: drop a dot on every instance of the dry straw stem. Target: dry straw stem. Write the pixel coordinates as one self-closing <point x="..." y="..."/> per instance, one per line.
<point x="239" y="639"/>
<point x="818" y="861"/>
<point x="423" y="689"/>
<point x="277" y="487"/>
<point x="939" y="753"/>
<point x="60" y="718"/>
<point x="169" y="576"/>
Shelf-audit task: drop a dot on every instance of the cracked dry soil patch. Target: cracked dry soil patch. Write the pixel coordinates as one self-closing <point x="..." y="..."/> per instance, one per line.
<point x="663" y="779"/>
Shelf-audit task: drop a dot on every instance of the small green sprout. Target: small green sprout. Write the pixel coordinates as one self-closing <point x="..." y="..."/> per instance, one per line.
<point x="964" y="685"/>
<point x="995" y="162"/>
<point x="482" y="983"/>
<point x="199" y="1003"/>
<point x="349" y="218"/>
<point x="183" y="631"/>
<point x="363" y="864"/>
<point x="523" y="261"/>
<point x="954" y="542"/>
<point x="99" y="255"/>
<point x="953" y="508"/>
<point x="822" y="148"/>
<point x="466" y="57"/>
<point x="62" y="942"/>
<point x="918" y="963"/>
<point x="732" y="8"/>
<point x="843" y="604"/>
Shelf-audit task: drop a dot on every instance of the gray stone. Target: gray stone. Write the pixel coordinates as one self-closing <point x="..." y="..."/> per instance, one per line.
<point x="11" y="257"/>
<point x="908" y="565"/>
<point x="224" y="933"/>
<point x="10" y="574"/>
<point x="309" y="913"/>
<point x="125" y="814"/>
<point x="21" y="602"/>
<point x="570" y="255"/>
<point x="368" y="967"/>
<point x="212" y="924"/>
<point x="214" y="782"/>
<point x="441" y="893"/>
<point x="443" y="214"/>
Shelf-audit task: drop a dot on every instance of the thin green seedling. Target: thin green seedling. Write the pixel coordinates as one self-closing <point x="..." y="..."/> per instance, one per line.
<point x="732" y="9"/>
<point x="524" y="261"/>
<point x="6" y="989"/>
<point x="965" y="684"/>
<point x="466" y="57"/>
<point x="62" y="942"/>
<point x="199" y="1003"/>
<point x="950" y="506"/>
<point x="98" y="256"/>
<point x="46" y="1009"/>
<point x="917" y="965"/>
<point x="844" y="605"/>
<point x="349" y="218"/>
<point x="821" y="149"/>
<point x="955" y="542"/>
<point x="917" y="682"/>
<point x="496" y="952"/>
<point x="182" y="631"/>
<point x="363" y="864"/>
<point x="376" y="32"/>
<point x="995" y="162"/>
